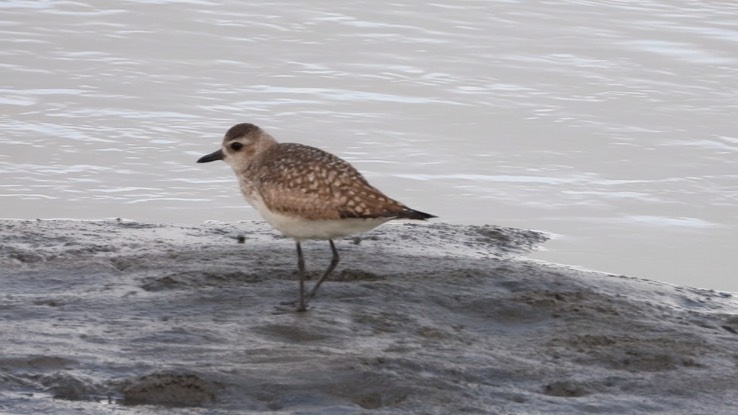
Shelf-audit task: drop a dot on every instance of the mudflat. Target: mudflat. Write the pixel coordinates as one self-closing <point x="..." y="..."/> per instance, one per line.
<point x="120" y="316"/>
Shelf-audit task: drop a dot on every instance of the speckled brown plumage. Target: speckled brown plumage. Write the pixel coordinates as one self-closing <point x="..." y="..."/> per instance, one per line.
<point x="296" y="179"/>
<point x="303" y="181"/>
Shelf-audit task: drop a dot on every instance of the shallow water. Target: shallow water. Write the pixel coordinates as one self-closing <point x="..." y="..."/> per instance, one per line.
<point x="609" y="124"/>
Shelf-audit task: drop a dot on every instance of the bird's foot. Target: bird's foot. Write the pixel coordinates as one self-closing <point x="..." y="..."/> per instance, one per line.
<point x="301" y="305"/>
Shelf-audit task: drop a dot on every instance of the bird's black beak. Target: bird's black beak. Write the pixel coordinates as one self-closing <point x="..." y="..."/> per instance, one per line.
<point x="216" y="155"/>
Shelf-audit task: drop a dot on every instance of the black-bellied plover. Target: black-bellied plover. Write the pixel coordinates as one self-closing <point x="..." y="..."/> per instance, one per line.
<point x="305" y="193"/>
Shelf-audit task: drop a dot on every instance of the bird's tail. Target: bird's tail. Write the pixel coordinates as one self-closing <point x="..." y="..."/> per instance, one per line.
<point x="408" y="213"/>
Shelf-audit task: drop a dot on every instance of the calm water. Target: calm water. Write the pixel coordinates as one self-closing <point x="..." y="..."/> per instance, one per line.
<point x="610" y="124"/>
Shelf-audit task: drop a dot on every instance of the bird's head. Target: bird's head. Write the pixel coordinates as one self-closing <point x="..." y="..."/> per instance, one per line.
<point x="240" y="145"/>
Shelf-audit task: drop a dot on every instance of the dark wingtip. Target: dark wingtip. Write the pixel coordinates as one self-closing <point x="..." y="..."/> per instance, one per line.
<point x="404" y="213"/>
<point x="416" y="214"/>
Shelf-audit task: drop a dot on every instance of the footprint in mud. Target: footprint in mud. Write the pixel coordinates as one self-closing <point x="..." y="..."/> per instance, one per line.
<point x="170" y="389"/>
<point x="565" y="389"/>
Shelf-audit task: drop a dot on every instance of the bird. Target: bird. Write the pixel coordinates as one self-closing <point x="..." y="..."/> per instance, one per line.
<point x="305" y="193"/>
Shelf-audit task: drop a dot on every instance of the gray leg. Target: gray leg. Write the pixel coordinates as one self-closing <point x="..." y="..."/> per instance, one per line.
<point x="301" y="272"/>
<point x="334" y="262"/>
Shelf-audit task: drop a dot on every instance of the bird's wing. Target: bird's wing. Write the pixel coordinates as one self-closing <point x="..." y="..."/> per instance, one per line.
<point x="314" y="184"/>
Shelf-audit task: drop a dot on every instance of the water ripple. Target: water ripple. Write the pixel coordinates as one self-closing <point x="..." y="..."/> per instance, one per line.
<point x="617" y="114"/>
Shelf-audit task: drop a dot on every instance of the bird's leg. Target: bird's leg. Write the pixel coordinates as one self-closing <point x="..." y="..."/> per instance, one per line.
<point x="301" y="273"/>
<point x="334" y="262"/>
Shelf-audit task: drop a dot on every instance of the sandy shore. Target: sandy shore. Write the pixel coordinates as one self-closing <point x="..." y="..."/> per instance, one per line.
<point x="125" y="317"/>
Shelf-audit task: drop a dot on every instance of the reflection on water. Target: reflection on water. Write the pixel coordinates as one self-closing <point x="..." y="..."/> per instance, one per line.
<point x="609" y="124"/>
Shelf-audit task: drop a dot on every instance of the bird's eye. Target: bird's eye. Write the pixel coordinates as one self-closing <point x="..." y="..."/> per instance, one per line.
<point x="236" y="146"/>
